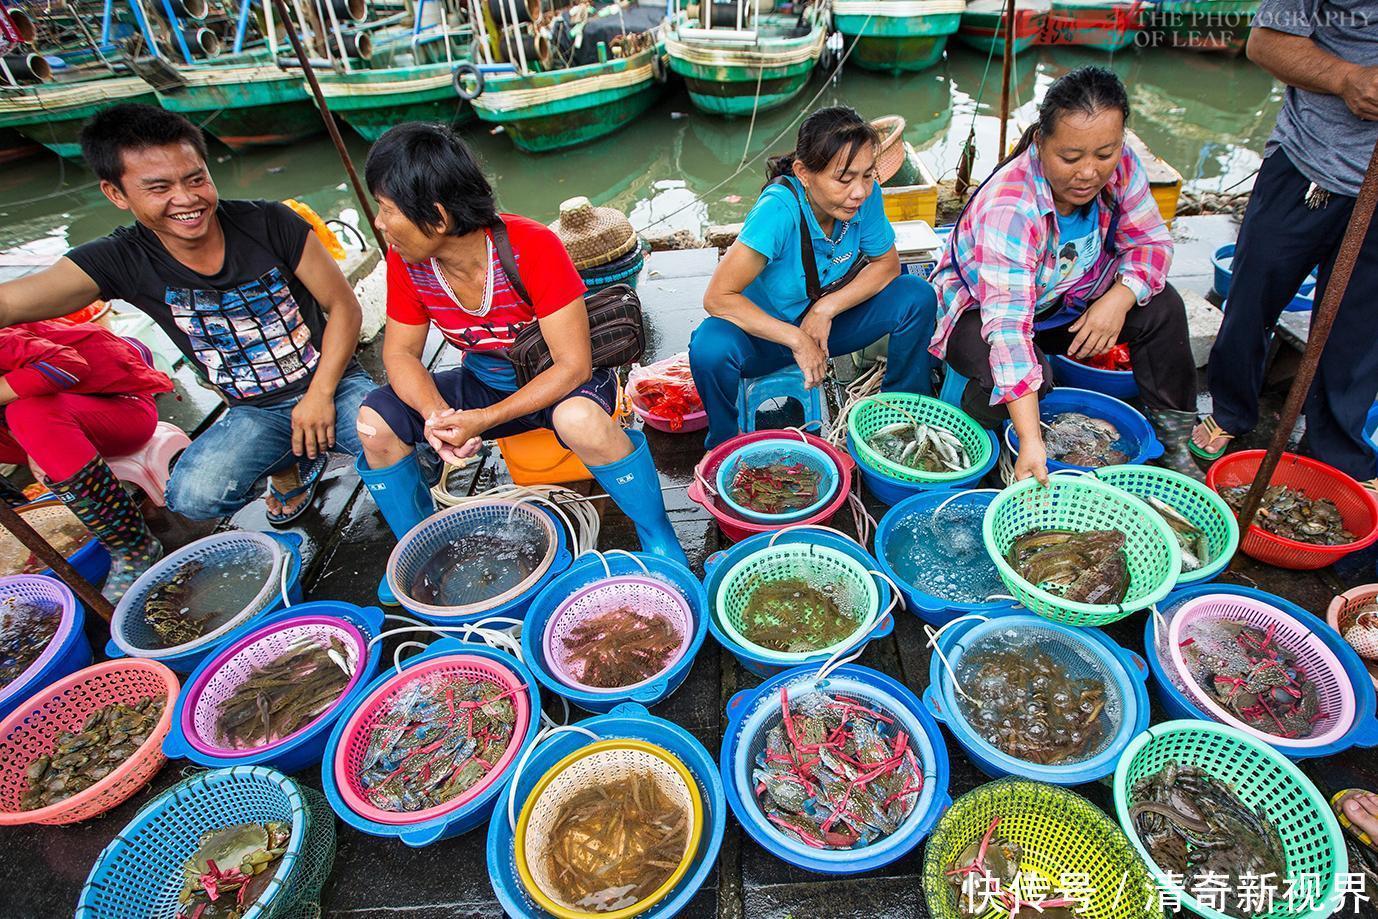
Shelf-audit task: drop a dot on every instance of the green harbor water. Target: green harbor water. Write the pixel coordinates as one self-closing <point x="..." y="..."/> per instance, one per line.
<point x="1207" y="115"/>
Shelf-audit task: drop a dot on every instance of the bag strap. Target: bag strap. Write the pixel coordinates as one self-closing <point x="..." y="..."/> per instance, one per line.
<point x="811" y="285"/>
<point x="503" y="246"/>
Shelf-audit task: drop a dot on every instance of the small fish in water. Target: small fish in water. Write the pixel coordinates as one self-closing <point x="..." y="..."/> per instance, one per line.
<point x="1085" y="567"/>
<point x="775" y="488"/>
<point x="620" y="647"/>
<point x="79" y="759"/>
<point x="231" y="869"/>
<point x="792" y="616"/>
<point x="1289" y="513"/>
<point x="921" y="447"/>
<point x="1194" y="826"/>
<point x="1080" y="440"/>
<point x="281" y="697"/>
<point x="986" y="875"/>
<point x="26" y="628"/>
<point x="1195" y="548"/>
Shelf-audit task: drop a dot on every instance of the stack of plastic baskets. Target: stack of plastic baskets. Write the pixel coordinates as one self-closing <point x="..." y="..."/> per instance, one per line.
<point x="31" y="731"/>
<point x="1137" y="439"/>
<point x="194" y="735"/>
<point x="1059" y="834"/>
<point x="1081" y="504"/>
<point x="350" y="738"/>
<point x="140" y="873"/>
<point x="448" y="529"/>
<point x="1348" y="685"/>
<point x="67" y="651"/>
<point x="233" y="551"/>
<point x="1080" y="653"/>
<point x="1313" y="847"/>
<point x="752" y="713"/>
<point x="784" y="451"/>
<point x="726" y="580"/>
<point x="891" y="482"/>
<point x="588" y="587"/>
<point x="626" y="721"/>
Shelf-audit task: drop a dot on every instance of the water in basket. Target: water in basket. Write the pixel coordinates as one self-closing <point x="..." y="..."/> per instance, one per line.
<point x="617" y="634"/>
<point x="28" y="623"/>
<point x="943" y="554"/>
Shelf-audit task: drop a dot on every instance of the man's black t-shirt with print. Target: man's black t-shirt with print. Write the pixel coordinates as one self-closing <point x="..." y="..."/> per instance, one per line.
<point x="253" y="328"/>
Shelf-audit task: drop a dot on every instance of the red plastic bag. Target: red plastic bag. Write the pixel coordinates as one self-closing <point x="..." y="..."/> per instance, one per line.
<point x="1117" y="358"/>
<point x="665" y="389"/>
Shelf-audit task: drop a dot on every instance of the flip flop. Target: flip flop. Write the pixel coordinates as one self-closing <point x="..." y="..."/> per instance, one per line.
<point x="310" y="478"/>
<point x="1214" y="430"/>
<point x="1337" y="805"/>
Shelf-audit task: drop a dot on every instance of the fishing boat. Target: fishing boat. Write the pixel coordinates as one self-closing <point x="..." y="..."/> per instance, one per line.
<point x="1200" y="25"/>
<point x="897" y="35"/>
<point x="251" y="105"/>
<point x="983" y="25"/>
<point x="15" y="146"/>
<point x="1106" y="25"/>
<point x="52" y="113"/>
<point x="762" y="64"/>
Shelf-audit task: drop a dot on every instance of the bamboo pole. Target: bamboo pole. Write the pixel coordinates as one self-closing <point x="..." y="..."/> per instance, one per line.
<point x="1005" y="66"/>
<point x="1322" y="319"/>
<point x="365" y="208"/>
<point x="84" y="589"/>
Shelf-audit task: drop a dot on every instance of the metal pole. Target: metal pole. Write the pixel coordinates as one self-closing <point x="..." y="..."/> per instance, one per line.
<point x="1323" y="317"/>
<point x="329" y="119"/>
<point x="49" y="556"/>
<point x="1008" y="59"/>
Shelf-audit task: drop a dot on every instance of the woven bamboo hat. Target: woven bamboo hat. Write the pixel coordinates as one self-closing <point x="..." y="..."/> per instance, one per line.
<point x="891" y="155"/>
<point x="593" y="236"/>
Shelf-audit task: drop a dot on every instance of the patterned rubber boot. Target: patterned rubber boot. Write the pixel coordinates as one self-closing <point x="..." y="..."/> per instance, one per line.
<point x="1174" y="430"/>
<point x="98" y="500"/>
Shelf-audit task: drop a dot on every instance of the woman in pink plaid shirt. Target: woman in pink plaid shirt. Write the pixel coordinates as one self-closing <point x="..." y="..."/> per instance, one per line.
<point x="1063" y="251"/>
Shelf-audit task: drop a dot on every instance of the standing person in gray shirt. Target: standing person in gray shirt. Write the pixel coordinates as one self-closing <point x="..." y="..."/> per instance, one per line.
<point x="1326" y="51"/>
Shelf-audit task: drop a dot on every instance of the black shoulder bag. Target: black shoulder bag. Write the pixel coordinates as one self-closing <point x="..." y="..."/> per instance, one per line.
<point x="811" y="286"/>
<point x="617" y="335"/>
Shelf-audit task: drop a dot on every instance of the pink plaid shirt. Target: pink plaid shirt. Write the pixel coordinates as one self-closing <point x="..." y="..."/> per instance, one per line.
<point x="1007" y="244"/>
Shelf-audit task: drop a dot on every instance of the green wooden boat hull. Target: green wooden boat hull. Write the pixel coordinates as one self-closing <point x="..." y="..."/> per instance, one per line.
<point x="1201" y="25"/>
<point x="246" y="113"/>
<point x="387" y="97"/>
<point x="985" y="31"/>
<point x="60" y="129"/>
<point x="895" y="44"/>
<point x="731" y="91"/>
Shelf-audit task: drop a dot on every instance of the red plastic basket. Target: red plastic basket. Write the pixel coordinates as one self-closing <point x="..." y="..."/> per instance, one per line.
<point x="31" y="729"/>
<point x="736" y="528"/>
<point x="1357" y="505"/>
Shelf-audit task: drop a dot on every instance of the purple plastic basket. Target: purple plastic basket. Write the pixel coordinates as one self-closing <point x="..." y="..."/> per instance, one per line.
<point x="237" y="661"/>
<point x="643" y="594"/>
<point x="47" y="591"/>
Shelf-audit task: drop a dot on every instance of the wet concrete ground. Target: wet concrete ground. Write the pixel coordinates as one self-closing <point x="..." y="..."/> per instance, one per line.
<point x="346" y="544"/>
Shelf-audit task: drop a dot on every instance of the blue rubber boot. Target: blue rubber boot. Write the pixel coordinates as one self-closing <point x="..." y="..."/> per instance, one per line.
<point x="633" y="483"/>
<point x="401" y="494"/>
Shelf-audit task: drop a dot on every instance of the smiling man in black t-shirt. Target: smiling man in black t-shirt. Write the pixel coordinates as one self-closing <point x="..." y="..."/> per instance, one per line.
<point x="244" y="289"/>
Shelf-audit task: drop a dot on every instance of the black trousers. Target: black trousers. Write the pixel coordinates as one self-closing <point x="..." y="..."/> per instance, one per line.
<point x="1280" y="243"/>
<point x="1159" y="348"/>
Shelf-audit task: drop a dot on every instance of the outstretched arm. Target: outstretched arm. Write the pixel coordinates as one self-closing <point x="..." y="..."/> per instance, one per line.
<point x="56" y="291"/>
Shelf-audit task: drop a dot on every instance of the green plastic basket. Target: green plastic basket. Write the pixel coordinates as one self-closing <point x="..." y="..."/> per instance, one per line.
<point x="870" y="415"/>
<point x="1061" y="834"/>
<point x="1262" y="777"/>
<point x="822" y="568"/>
<point x="1194" y="500"/>
<point x="1081" y="503"/>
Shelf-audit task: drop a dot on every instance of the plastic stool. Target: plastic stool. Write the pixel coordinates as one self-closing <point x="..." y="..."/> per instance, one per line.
<point x="953" y="386"/>
<point x="782" y="384"/>
<point x="537" y="458"/>
<point x="148" y="468"/>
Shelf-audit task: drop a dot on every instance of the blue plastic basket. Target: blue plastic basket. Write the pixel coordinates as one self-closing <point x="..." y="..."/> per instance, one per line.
<point x="627" y="720"/>
<point x="469" y="814"/>
<point x="140" y="873"/>
<point x="717" y="565"/>
<point x="890" y="491"/>
<point x="625" y="270"/>
<point x="783" y="450"/>
<point x="68" y="651"/>
<point x="1118" y="667"/>
<point x="1117" y="383"/>
<point x="1223" y="262"/>
<point x="91" y="559"/>
<point x="1364" y="731"/>
<point x="1133" y="427"/>
<point x="749" y="715"/>
<point x="588" y="569"/>
<point x="928" y="607"/>
<point x="304" y="748"/>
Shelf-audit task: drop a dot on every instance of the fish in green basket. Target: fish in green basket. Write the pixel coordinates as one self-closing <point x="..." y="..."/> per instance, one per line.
<point x="1190" y="538"/>
<point x="921" y="447"/>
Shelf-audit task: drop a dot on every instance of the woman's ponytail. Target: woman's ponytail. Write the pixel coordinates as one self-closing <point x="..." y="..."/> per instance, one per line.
<point x="777" y="166"/>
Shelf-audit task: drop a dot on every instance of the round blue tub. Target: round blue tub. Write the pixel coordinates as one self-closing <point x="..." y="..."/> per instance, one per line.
<point x="1133" y="426"/>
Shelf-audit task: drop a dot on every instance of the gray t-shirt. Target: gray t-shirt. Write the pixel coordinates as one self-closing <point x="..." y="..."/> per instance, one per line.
<point x="1327" y="142"/>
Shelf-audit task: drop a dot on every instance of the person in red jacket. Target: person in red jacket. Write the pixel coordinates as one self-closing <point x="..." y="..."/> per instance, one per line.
<point x="72" y="394"/>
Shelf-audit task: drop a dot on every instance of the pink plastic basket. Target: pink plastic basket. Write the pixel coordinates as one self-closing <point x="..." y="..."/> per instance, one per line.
<point x="645" y="595"/>
<point x="1321" y="666"/>
<point x="31" y="730"/>
<point x="236" y="663"/>
<point x="355" y="737"/>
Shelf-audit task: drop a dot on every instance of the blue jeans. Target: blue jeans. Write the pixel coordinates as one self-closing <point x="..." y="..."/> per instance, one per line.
<point x="721" y="354"/>
<point x="228" y="465"/>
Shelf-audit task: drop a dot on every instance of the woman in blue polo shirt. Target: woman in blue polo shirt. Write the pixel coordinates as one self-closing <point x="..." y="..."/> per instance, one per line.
<point x="771" y="303"/>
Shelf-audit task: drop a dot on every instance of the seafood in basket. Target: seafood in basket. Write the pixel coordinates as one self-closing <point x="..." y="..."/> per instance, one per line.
<point x="1085" y="567"/>
<point x="438" y="739"/>
<point x="168" y="608"/>
<point x="482" y="564"/>
<point x="792" y="616"/>
<point x="231" y="869"/>
<point x="620" y="647"/>
<point x="835" y="774"/>
<point x="283" y="696"/>
<point x="921" y="447"/>
<point x="81" y="758"/>
<point x="1196" y="828"/>
<point x="775" y="488"/>
<point x="1291" y="514"/>
<point x="986" y="875"/>
<point x="1190" y="538"/>
<point x="1080" y="440"/>
<point x="1252" y="676"/>
<point x="26" y="628"/>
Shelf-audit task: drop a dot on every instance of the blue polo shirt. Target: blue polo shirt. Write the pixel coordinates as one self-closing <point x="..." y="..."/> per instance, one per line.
<point x="772" y="229"/>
